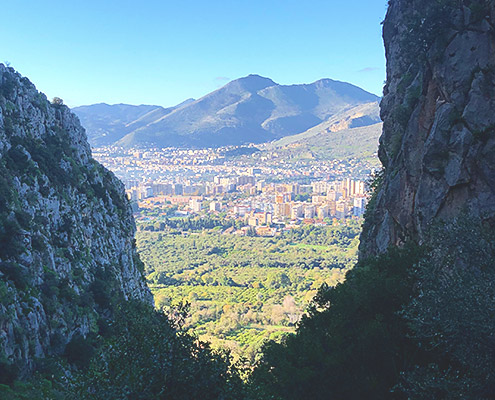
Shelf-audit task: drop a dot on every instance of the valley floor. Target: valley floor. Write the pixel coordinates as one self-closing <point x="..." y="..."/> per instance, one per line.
<point x="244" y="290"/>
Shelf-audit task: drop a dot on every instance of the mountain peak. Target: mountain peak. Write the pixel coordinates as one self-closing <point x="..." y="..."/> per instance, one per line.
<point x="324" y="81"/>
<point x="251" y="83"/>
<point x="251" y="109"/>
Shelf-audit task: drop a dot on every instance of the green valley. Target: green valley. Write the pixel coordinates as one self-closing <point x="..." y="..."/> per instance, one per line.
<point x="243" y="290"/>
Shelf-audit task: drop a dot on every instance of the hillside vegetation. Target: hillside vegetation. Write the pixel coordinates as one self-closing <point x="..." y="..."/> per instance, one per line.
<point x="359" y="143"/>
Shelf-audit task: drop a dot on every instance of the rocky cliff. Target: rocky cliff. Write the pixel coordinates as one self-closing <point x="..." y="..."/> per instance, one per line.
<point x="438" y="143"/>
<point x="67" y="252"/>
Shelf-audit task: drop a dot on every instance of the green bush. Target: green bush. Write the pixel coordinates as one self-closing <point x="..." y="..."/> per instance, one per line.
<point x="147" y="358"/>
<point x="352" y="344"/>
<point x="79" y="351"/>
<point x="15" y="273"/>
<point x="452" y="314"/>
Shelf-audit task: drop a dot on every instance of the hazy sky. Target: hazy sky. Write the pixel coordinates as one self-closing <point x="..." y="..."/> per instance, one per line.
<point x="162" y="52"/>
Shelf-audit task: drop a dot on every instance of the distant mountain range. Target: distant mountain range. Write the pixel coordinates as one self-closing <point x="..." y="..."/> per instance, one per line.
<point x="252" y="109"/>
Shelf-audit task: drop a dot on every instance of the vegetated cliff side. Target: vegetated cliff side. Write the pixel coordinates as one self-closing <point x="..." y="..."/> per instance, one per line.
<point x="67" y="250"/>
<point x="438" y="144"/>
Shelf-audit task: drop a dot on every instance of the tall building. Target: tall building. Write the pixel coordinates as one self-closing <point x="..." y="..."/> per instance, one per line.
<point x="282" y="210"/>
<point x="178" y="189"/>
<point x="333" y="195"/>
<point x="162" y="188"/>
<point x="359" y="206"/>
<point x="360" y="188"/>
<point x="260" y="185"/>
<point x="318" y="199"/>
<point x="279" y="199"/>
<point x="293" y="188"/>
<point x="131" y="183"/>
<point x="309" y="212"/>
<point x="323" y="212"/>
<point x="297" y="211"/>
<point x="320" y="187"/>
<point x="245" y="179"/>
<point x="341" y="209"/>
<point x="332" y="208"/>
<point x="196" y="205"/>
<point x="215" y="206"/>
<point x="146" y="192"/>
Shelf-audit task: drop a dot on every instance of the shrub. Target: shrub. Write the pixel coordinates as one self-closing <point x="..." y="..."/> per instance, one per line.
<point x="352" y="340"/>
<point x="79" y="351"/>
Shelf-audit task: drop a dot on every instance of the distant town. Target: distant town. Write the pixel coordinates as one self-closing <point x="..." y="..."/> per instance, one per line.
<point x="264" y="193"/>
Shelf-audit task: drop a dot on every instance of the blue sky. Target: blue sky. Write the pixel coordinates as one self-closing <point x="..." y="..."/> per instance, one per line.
<point x="162" y="52"/>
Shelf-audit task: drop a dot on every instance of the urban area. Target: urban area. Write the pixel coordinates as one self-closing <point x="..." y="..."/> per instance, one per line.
<point x="256" y="189"/>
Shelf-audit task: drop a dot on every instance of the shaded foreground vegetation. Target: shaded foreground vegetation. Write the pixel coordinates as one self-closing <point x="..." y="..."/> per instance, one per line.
<point x="412" y="323"/>
<point x="415" y="323"/>
<point x="141" y="354"/>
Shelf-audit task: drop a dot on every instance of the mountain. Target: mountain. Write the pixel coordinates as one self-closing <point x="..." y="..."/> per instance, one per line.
<point x="360" y="143"/>
<point x="66" y="230"/>
<point x="252" y="109"/>
<point x="105" y="124"/>
<point x="352" y="133"/>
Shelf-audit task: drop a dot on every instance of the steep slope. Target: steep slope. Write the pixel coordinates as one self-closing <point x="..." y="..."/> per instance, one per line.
<point x="356" y="117"/>
<point x="352" y="133"/>
<point x="67" y="252"/>
<point x="249" y="109"/>
<point x="361" y="143"/>
<point x="439" y="121"/>
<point x="227" y="116"/>
<point x="298" y="107"/>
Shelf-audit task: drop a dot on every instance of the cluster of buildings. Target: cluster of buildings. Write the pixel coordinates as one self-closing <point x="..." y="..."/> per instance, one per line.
<point x="262" y="192"/>
<point x="318" y="201"/>
<point x="137" y="190"/>
<point x="261" y="205"/>
<point x="195" y="169"/>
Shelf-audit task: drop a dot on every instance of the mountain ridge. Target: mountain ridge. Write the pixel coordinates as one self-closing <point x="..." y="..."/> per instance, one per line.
<point x="251" y="109"/>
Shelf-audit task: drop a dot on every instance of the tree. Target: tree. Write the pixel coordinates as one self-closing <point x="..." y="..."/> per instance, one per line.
<point x="351" y="343"/>
<point x="452" y="314"/>
<point x="147" y="357"/>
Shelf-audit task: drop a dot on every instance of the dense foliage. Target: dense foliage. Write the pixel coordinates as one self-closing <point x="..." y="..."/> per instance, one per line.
<point x="414" y="323"/>
<point x="452" y="314"/>
<point x="146" y="357"/>
<point x="409" y="324"/>
<point x="244" y="290"/>
<point x="353" y="343"/>
<point x="188" y="224"/>
<point x="138" y="354"/>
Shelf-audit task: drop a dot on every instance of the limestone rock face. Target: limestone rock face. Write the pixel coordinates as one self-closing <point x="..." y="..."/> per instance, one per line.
<point x="67" y="249"/>
<point x="438" y="143"/>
